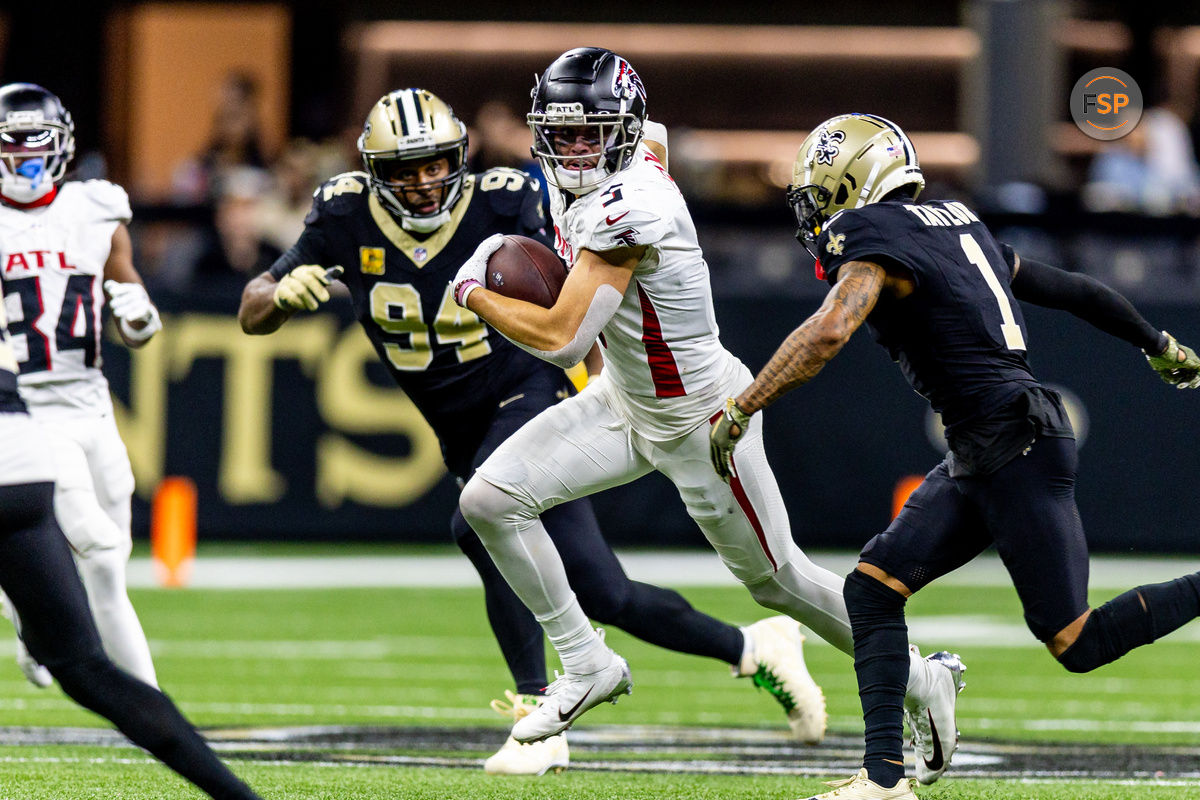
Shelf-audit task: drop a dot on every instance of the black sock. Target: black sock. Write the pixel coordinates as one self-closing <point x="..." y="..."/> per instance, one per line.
<point x="881" y="664"/>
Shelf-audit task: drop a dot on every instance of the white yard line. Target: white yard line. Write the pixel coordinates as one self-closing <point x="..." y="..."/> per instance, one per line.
<point x="682" y="568"/>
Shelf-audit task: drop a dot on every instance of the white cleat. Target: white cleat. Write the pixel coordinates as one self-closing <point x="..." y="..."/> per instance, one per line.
<point x="535" y="758"/>
<point x="932" y="724"/>
<point x="860" y="787"/>
<point x="570" y="696"/>
<point x="35" y="673"/>
<point x="774" y="660"/>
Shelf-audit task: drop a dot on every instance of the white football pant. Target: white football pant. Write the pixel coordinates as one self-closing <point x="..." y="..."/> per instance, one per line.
<point x="582" y="446"/>
<point x="93" y="486"/>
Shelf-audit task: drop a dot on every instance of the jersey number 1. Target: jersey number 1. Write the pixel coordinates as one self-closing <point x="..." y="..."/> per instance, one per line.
<point x="1013" y="339"/>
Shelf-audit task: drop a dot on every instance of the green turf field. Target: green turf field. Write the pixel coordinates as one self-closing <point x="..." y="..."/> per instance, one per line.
<point x="262" y="669"/>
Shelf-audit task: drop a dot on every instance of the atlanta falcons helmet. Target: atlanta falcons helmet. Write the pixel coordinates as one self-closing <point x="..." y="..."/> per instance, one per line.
<point x="37" y="140"/>
<point x="593" y="94"/>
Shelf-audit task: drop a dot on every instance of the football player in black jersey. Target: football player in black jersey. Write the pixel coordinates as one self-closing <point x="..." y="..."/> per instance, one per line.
<point x="400" y="231"/>
<point x="37" y="572"/>
<point x="939" y="292"/>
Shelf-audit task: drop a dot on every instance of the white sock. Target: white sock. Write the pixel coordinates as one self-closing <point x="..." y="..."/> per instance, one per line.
<point x="578" y="644"/>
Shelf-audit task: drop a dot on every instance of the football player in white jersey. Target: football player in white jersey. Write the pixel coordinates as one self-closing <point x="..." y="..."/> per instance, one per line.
<point x="638" y="283"/>
<point x="64" y="248"/>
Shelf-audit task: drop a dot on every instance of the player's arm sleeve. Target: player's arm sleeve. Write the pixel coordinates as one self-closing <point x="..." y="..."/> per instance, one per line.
<point x="1086" y="298"/>
<point x="605" y="303"/>
<point x="310" y="248"/>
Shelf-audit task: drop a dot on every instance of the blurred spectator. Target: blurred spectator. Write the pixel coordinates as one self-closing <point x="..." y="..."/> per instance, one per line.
<point x="288" y="198"/>
<point x="235" y="141"/>
<point x="234" y="250"/>
<point x="500" y="138"/>
<point x="1153" y="170"/>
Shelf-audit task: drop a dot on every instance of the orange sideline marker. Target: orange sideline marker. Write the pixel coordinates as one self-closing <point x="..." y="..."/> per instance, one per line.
<point x="173" y="531"/>
<point x="904" y="487"/>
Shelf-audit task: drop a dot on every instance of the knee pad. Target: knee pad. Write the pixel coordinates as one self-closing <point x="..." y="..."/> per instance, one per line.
<point x="867" y="598"/>
<point x="103" y="574"/>
<point x="480" y="501"/>
<point x="770" y="594"/>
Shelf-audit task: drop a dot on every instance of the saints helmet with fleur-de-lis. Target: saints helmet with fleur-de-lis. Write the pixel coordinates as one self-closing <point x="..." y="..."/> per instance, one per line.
<point x="849" y="161"/>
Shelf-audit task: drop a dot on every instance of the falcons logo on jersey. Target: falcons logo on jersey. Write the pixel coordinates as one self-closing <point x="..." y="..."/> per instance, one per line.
<point x="627" y="237"/>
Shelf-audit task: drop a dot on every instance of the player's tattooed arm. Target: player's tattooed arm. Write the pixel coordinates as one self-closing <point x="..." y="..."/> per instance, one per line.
<point x="820" y="337"/>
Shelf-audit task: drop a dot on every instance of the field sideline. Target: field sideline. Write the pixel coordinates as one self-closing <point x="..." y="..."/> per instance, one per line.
<point x="382" y="689"/>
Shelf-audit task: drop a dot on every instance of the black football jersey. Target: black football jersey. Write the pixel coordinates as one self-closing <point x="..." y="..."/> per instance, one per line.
<point x="446" y="358"/>
<point x="959" y="337"/>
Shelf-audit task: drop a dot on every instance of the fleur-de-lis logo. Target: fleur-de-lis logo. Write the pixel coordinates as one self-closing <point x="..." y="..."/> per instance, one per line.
<point x="836" y="244"/>
<point x="826" y="149"/>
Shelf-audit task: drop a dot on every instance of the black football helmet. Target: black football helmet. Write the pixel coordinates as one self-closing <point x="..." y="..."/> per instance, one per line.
<point x="595" y="94"/>
<point x="37" y="140"/>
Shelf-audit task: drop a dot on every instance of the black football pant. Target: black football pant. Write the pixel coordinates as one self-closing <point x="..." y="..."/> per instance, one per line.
<point x="1026" y="508"/>
<point x="606" y="594"/>
<point x="38" y="574"/>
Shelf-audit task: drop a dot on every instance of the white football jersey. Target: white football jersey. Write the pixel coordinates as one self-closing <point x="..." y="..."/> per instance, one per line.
<point x="52" y="269"/>
<point x="661" y="349"/>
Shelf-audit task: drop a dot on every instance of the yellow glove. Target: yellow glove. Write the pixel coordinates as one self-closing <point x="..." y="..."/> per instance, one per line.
<point x="305" y="287"/>
<point x="1178" y="365"/>
<point x="723" y="437"/>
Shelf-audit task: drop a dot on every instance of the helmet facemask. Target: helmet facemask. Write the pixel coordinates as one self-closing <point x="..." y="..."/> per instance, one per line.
<point x="392" y="194"/>
<point x="598" y="96"/>
<point x="408" y="129"/>
<point x="614" y="138"/>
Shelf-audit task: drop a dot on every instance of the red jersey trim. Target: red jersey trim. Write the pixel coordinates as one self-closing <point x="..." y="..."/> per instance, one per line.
<point x="663" y="370"/>
<point x="44" y="200"/>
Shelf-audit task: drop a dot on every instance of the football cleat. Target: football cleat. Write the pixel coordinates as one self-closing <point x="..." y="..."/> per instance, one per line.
<point x="860" y="787"/>
<point x="931" y="720"/>
<point x="774" y="661"/>
<point x="570" y="696"/>
<point x="34" y="672"/>
<point x="535" y="758"/>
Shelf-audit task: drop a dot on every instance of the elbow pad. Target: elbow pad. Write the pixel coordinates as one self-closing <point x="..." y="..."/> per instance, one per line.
<point x="604" y="304"/>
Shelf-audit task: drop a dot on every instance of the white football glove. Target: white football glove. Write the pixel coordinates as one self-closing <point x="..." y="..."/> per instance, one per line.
<point x="304" y="288"/>
<point x="473" y="273"/>
<point x="130" y="304"/>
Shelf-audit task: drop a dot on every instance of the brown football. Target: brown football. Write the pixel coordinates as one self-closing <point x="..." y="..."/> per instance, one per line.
<point x="525" y="269"/>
